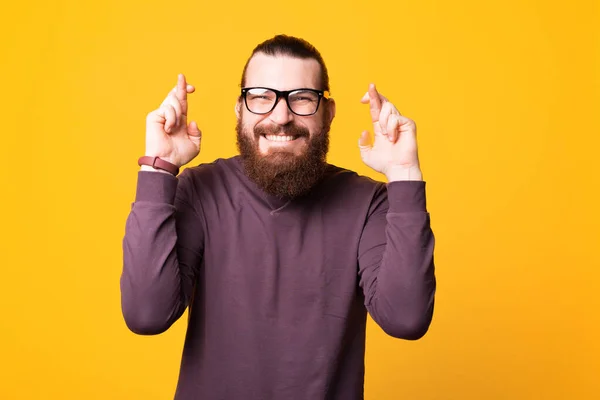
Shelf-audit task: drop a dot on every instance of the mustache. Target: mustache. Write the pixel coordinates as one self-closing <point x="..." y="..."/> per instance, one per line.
<point x="288" y="129"/>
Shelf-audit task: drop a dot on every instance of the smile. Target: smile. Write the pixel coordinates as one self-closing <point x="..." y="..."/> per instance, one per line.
<point x="280" y="138"/>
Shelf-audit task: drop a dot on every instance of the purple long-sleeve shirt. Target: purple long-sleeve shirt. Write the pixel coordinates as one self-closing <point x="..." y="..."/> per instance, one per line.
<point x="278" y="290"/>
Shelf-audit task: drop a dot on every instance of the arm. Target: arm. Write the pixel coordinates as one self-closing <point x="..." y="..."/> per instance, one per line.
<point x="162" y="251"/>
<point x="396" y="248"/>
<point x="396" y="265"/>
<point x="163" y="243"/>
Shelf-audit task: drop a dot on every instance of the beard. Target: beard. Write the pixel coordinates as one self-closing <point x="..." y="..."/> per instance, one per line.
<point x="282" y="173"/>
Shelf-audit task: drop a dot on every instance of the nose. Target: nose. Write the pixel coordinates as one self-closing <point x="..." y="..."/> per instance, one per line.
<point x="281" y="114"/>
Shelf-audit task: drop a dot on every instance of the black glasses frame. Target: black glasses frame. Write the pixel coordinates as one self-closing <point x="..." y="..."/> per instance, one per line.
<point x="285" y="94"/>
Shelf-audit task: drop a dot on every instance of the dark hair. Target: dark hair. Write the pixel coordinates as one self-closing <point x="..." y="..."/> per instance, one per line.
<point x="284" y="45"/>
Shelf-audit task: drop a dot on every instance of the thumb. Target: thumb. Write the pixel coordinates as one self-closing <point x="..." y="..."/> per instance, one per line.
<point x="364" y="144"/>
<point x="193" y="130"/>
<point x="365" y="140"/>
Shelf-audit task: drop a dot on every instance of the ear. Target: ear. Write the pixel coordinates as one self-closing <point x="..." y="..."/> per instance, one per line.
<point x="330" y="110"/>
<point x="238" y="109"/>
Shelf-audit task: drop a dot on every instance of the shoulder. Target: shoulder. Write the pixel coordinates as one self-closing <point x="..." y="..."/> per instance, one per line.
<point x="347" y="180"/>
<point x="344" y="186"/>
<point x="221" y="170"/>
<point x="211" y="180"/>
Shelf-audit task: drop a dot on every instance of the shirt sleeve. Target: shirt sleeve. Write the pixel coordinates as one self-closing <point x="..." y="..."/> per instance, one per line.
<point x="396" y="267"/>
<point x="162" y="251"/>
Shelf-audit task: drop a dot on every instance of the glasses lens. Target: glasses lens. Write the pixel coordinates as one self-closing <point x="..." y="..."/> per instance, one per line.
<point x="260" y="101"/>
<point x="303" y="102"/>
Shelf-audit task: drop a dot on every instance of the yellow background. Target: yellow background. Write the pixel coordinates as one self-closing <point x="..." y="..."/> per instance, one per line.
<point x="506" y="97"/>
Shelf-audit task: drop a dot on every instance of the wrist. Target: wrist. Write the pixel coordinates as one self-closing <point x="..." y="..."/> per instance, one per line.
<point x="163" y="158"/>
<point x="151" y="163"/>
<point x="404" y="173"/>
<point x="149" y="168"/>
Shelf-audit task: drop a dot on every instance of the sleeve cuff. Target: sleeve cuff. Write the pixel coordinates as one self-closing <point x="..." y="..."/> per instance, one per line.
<point x="406" y="196"/>
<point x="156" y="187"/>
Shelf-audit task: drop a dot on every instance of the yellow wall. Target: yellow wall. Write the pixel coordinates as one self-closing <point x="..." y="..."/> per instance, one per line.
<point x="506" y="97"/>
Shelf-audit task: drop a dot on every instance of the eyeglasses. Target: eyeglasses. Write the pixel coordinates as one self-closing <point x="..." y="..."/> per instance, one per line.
<point x="303" y="102"/>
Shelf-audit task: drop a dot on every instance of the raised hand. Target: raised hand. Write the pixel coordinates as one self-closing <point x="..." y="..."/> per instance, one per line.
<point x="168" y="134"/>
<point x="394" y="149"/>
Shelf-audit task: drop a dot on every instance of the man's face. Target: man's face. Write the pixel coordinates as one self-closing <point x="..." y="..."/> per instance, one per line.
<point x="283" y="73"/>
<point x="280" y="146"/>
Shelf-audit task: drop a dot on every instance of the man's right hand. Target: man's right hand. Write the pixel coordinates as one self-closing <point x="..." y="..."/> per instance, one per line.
<point x="168" y="135"/>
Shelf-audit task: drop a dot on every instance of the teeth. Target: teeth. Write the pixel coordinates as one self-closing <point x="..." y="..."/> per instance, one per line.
<point x="277" y="138"/>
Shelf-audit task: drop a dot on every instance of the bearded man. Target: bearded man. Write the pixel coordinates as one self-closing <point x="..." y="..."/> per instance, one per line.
<point x="278" y="254"/>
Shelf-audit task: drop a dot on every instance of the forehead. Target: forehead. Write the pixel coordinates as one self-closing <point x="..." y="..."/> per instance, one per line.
<point x="283" y="72"/>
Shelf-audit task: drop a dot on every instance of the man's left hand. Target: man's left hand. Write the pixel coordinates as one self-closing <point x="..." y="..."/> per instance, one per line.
<point x="394" y="150"/>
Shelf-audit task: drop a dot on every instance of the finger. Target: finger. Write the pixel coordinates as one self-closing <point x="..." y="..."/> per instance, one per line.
<point x="365" y="98"/>
<point x="176" y="104"/>
<point x="172" y="102"/>
<point x="193" y="130"/>
<point x="386" y="110"/>
<point x="181" y="87"/>
<point x="372" y="96"/>
<point x="156" y="116"/>
<point x="170" y="117"/>
<point x="190" y="88"/>
<point x="393" y="127"/>
<point x="181" y="92"/>
<point x="374" y="102"/>
<point x="407" y="128"/>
